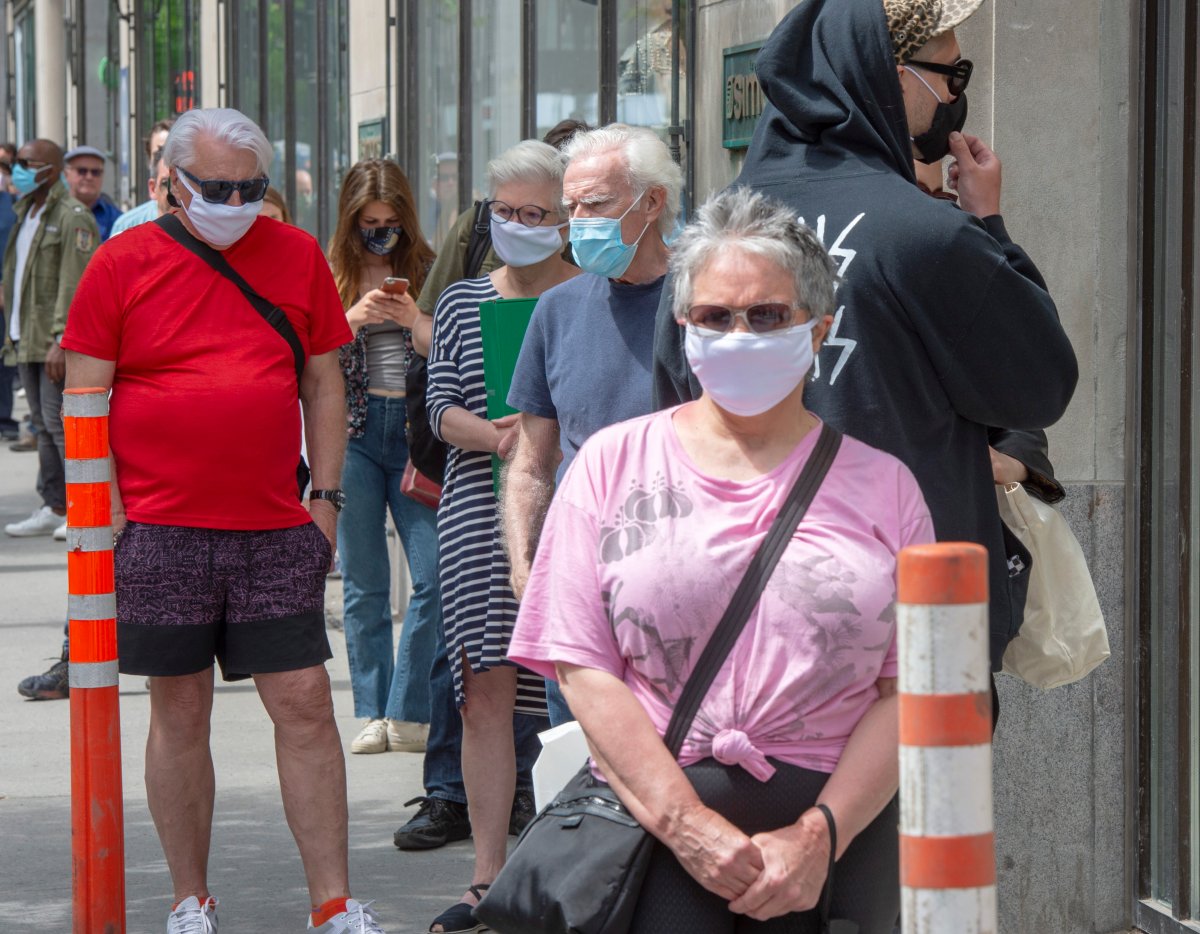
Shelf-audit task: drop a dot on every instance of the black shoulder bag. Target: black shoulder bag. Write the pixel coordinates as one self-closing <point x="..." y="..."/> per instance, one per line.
<point x="270" y="312"/>
<point x="579" y="865"/>
<point x="426" y="451"/>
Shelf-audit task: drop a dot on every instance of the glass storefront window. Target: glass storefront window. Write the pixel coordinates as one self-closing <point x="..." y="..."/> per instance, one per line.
<point x="25" y="75"/>
<point x="495" y="86"/>
<point x="434" y="179"/>
<point x="644" y="64"/>
<point x="168" y="61"/>
<point x="288" y="72"/>
<point x="568" y="63"/>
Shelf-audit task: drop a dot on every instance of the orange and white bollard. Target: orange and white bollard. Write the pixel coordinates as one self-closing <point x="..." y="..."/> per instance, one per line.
<point x="97" y="815"/>
<point x="947" y="845"/>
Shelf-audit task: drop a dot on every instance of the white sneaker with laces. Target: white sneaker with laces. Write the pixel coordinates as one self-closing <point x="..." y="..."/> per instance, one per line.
<point x="372" y="738"/>
<point x="191" y="917"/>
<point x="60" y="534"/>
<point x="358" y="918"/>
<point x="42" y="521"/>
<point x="405" y="736"/>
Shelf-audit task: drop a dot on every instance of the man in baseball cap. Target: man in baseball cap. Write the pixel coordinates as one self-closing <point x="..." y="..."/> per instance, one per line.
<point x="944" y="326"/>
<point x="85" y="178"/>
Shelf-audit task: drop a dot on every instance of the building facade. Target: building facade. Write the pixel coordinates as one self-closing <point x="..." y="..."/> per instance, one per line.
<point x="1091" y="104"/>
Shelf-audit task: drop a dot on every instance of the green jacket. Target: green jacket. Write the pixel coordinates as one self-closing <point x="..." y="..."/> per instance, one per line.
<point x="66" y="238"/>
<point x="448" y="267"/>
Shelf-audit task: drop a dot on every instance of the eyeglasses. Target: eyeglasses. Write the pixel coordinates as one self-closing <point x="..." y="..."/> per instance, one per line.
<point x="219" y="190"/>
<point x="763" y="318"/>
<point x="528" y="214"/>
<point x="959" y="73"/>
<point x="85" y="172"/>
<point x="31" y="163"/>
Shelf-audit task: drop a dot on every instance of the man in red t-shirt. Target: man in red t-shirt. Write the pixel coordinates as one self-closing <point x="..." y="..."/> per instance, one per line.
<point x="216" y="557"/>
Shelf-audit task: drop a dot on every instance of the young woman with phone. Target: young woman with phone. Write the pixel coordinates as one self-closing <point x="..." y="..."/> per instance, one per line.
<point x="379" y="258"/>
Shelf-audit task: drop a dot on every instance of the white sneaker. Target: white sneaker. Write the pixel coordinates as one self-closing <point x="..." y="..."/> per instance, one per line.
<point x="190" y="917"/>
<point x="358" y="918"/>
<point x="404" y="736"/>
<point x="42" y="521"/>
<point x="372" y="738"/>
<point x="60" y="534"/>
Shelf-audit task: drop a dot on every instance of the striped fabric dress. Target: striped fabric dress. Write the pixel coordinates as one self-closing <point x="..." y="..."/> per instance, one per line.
<point x="478" y="606"/>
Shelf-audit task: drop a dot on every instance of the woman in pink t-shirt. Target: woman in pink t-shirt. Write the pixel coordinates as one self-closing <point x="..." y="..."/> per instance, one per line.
<point x="649" y="535"/>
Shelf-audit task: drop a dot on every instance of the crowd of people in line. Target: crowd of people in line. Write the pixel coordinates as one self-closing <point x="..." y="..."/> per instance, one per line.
<point x="671" y="386"/>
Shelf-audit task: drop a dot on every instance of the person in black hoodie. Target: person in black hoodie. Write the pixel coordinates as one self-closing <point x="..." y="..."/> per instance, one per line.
<point x="943" y="326"/>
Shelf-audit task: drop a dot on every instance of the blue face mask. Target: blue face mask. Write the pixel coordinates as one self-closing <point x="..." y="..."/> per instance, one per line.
<point x="597" y="245"/>
<point x="24" y="180"/>
<point x="381" y="240"/>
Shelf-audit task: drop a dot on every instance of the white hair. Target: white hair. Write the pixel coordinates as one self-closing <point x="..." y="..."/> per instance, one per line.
<point x="223" y="124"/>
<point x="742" y="219"/>
<point x="530" y="161"/>
<point x="648" y="163"/>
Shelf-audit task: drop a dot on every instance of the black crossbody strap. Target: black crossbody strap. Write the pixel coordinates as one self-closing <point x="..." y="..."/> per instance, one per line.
<point x="269" y="311"/>
<point x="751" y="587"/>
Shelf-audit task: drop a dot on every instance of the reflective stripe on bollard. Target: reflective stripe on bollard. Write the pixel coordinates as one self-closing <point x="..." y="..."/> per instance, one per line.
<point x="947" y="845"/>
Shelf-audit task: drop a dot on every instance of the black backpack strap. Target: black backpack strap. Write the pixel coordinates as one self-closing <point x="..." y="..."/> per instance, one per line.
<point x="480" y="241"/>
<point x="270" y="312"/>
<point x="754" y="581"/>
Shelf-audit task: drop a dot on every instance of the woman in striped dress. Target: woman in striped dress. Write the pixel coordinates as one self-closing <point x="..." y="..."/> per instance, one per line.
<point x="528" y="233"/>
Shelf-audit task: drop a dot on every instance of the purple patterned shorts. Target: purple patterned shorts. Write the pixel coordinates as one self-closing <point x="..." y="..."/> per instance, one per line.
<point x="254" y="601"/>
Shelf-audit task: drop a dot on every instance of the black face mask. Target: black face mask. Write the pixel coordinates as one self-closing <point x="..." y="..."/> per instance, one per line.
<point x="934" y="143"/>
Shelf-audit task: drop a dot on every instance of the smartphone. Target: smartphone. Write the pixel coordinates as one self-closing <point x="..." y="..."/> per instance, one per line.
<point x="394" y="285"/>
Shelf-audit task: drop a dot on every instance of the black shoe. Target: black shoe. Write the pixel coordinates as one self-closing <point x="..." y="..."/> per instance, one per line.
<point x="522" y="813"/>
<point x="436" y="823"/>
<point x="52" y="685"/>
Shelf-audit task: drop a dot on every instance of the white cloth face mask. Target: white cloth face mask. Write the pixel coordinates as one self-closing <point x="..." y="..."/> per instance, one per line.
<point x="746" y="373"/>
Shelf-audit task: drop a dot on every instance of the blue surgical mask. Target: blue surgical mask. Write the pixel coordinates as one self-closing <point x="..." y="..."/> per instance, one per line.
<point x="597" y="245"/>
<point x="24" y="180"/>
<point x="381" y="240"/>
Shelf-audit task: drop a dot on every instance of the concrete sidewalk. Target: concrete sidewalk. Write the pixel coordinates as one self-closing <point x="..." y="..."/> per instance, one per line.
<point x="255" y="869"/>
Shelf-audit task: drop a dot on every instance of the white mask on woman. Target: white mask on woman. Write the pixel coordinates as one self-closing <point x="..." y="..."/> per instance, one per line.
<point x="221" y="225"/>
<point x="747" y="373"/>
<point x="518" y="245"/>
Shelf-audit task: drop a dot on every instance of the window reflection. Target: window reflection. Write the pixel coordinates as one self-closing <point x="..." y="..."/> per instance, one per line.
<point x="568" y="62"/>
<point x="644" y="65"/>
<point x="495" y="86"/>
<point x="436" y="179"/>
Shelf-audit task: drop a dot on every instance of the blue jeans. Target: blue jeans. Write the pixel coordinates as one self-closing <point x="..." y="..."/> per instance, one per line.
<point x="560" y="713"/>
<point x="371" y="477"/>
<point x="443" y="751"/>
<point x="8" y="375"/>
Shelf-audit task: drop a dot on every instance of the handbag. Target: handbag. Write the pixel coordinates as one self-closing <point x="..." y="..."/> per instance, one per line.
<point x="268" y="310"/>
<point x="1063" y="636"/>
<point x="415" y="485"/>
<point x="428" y="452"/>
<point x="578" y="867"/>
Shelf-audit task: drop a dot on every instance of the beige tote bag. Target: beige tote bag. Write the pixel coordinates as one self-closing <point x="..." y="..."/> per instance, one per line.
<point x="1063" y="635"/>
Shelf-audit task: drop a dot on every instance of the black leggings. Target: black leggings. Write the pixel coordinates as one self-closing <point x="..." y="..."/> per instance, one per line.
<point x="866" y="881"/>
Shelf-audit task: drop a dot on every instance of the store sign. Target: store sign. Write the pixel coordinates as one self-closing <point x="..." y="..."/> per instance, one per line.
<point x="744" y="100"/>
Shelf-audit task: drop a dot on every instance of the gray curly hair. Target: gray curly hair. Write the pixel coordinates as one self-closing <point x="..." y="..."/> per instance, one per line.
<point x="747" y="220"/>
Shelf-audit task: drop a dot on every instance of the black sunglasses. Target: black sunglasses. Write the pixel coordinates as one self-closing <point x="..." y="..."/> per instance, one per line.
<point x="31" y="163"/>
<point x="220" y="190"/>
<point x="959" y="73"/>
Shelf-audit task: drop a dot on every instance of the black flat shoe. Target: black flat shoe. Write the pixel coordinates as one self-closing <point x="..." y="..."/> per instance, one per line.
<point x="460" y="918"/>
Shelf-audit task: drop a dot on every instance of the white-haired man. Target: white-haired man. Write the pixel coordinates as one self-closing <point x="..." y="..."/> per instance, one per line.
<point x="216" y="557"/>
<point x="587" y="357"/>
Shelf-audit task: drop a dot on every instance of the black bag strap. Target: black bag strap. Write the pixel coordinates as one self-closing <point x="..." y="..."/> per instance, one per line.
<point x="269" y="311"/>
<point x="480" y="241"/>
<point x="751" y="587"/>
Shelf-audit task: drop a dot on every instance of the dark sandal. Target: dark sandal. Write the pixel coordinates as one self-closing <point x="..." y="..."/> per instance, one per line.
<point x="460" y="918"/>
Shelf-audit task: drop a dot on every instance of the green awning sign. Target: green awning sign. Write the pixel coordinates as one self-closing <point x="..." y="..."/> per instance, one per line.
<point x="744" y="100"/>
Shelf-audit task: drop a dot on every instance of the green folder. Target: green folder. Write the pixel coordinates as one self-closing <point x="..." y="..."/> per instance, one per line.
<point x="502" y="324"/>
